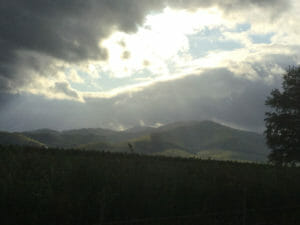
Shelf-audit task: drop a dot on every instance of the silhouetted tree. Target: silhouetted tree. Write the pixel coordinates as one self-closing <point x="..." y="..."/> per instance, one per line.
<point x="283" y="122"/>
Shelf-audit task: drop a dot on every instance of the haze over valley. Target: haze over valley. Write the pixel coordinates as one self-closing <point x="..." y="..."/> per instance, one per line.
<point x="194" y="139"/>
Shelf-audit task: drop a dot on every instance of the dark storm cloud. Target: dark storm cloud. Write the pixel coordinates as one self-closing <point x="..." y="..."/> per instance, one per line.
<point x="70" y="30"/>
<point x="33" y="34"/>
<point x="215" y="95"/>
<point x="230" y="5"/>
<point x="65" y="30"/>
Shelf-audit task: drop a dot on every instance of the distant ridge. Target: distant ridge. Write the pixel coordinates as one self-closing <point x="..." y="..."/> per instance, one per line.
<point x="203" y="139"/>
<point x="18" y="139"/>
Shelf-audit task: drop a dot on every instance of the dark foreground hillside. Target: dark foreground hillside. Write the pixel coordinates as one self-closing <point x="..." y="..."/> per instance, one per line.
<point x="65" y="187"/>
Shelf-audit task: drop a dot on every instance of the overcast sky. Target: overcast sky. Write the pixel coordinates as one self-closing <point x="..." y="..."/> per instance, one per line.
<point x="68" y="64"/>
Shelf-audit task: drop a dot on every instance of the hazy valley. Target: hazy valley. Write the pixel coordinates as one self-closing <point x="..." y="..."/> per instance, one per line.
<point x="204" y="139"/>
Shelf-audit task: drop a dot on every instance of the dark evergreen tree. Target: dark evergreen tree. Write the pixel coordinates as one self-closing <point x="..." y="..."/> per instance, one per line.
<point x="283" y="122"/>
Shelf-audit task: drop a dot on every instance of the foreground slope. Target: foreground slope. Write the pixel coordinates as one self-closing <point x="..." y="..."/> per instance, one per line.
<point x="54" y="186"/>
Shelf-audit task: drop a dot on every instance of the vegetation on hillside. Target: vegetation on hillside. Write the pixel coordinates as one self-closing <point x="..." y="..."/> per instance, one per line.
<point x="201" y="139"/>
<point x="55" y="186"/>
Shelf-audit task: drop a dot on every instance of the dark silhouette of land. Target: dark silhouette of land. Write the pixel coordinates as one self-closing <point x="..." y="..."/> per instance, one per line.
<point x="55" y="186"/>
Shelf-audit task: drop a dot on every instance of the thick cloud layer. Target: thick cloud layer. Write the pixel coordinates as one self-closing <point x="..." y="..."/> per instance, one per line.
<point x="42" y="40"/>
<point x="36" y="35"/>
<point x="214" y="95"/>
<point x="66" y="30"/>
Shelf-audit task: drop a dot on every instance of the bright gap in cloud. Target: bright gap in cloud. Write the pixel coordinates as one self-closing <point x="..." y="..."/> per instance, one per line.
<point x="171" y="45"/>
<point x="159" y="46"/>
<point x="159" y="50"/>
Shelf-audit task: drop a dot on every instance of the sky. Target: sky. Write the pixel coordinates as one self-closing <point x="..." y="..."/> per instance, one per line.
<point x="69" y="64"/>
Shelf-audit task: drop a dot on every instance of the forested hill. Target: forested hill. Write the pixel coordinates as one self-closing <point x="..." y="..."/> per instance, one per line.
<point x="205" y="139"/>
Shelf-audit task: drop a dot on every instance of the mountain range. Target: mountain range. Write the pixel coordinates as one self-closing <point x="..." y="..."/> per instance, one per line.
<point x="201" y="139"/>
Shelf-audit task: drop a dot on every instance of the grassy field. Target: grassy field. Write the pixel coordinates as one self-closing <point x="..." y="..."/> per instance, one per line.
<point x="70" y="187"/>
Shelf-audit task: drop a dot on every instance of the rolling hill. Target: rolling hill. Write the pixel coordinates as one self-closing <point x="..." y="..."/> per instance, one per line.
<point x="201" y="139"/>
<point x="204" y="139"/>
<point x="18" y="139"/>
<point x="69" y="138"/>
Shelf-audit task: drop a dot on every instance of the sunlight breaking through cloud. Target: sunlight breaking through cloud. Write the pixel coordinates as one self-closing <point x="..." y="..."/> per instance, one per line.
<point x="102" y="52"/>
<point x="161" y="41"/>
